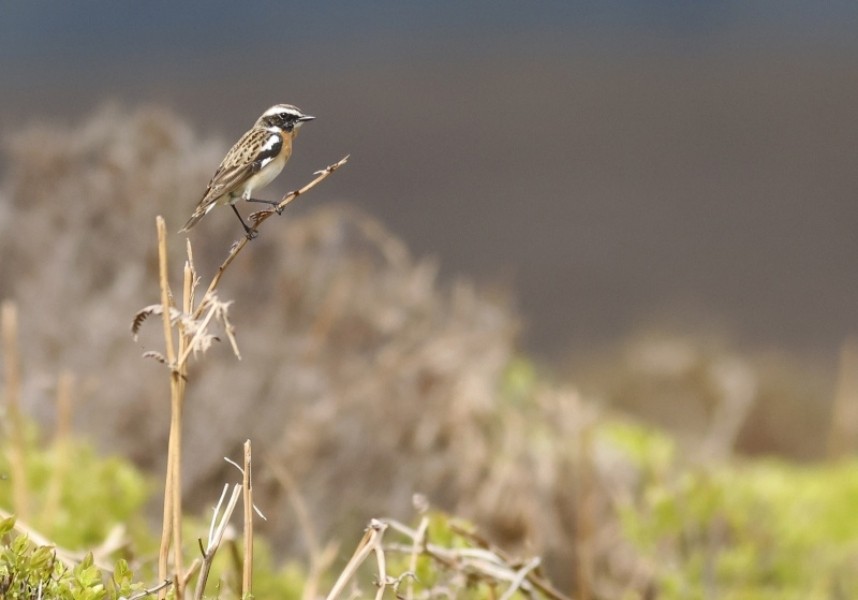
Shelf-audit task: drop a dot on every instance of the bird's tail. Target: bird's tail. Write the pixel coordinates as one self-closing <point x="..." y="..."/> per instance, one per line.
<point x="192" y="221"/>
<point x="201" y="211"/>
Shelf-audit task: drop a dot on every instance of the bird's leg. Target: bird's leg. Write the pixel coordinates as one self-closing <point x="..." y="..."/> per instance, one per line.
<point x="273" y="203"/>
<point x="250" y="233"/>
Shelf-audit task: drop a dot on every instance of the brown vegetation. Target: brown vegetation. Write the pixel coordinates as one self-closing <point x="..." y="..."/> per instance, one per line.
<point x="363" y="378"/>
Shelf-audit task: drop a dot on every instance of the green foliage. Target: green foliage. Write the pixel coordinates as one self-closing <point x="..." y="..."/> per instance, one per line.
<point x="95" y="493"/>
<point x="269" y="581"/>
<point x="650" y="451"/>
<point x="752" y="529"/>
<point x="755" y="529"/>
<point x="29" y="571"/>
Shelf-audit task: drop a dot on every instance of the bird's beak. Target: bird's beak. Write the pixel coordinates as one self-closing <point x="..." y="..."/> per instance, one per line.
<point x="303" y="118"/>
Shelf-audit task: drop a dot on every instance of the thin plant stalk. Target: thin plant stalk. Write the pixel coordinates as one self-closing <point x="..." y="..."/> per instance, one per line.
<point x="258" y="219"/>
<point x="217" y="528"/>
<point x="369" y="543"/>
<point x="12" y="394"/>
<point x="247" y="486"/>
<point x="190" y="337"/>
<point x="172" y="530"/>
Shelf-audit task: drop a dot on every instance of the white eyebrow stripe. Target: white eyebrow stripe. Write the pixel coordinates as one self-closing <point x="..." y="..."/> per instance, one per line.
<point x="283" y="108"/>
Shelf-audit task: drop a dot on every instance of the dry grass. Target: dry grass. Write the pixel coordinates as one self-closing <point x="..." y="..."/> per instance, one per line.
<point x="188" y="332"/>
<point x="362" y="373"/>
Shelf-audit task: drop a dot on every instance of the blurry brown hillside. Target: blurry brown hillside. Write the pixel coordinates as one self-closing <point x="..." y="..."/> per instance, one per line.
<point x="325" y="298"/>
<point x="361" y="374"/>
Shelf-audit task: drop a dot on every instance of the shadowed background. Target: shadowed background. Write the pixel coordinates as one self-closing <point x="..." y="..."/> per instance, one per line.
<point x="616" y="165"/>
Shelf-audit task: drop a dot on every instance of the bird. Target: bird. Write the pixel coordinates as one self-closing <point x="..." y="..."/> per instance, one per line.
<point x="252" y="163"/>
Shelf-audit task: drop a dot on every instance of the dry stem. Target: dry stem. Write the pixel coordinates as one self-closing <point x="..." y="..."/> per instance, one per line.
<point x="843" y="432"/>
<point x="585" y="514"/>
<point x="486" y="563"/>
<point x="217" y="528"/>
<point x="416" y="549"/>
<point x="192" y="336"/>
<point x="371" y="542"/>
<point x="17" y="452"/>
<point x="172" y="529"/>
<point x="147" y="592"/>
<point x="247" y="486"/>
<point x="20" y="491"/>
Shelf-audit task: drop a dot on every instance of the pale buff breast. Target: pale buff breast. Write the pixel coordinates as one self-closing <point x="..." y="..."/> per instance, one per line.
<point x="265" y="176"/>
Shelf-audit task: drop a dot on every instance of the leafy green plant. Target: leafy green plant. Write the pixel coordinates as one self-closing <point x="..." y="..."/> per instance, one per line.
<point x="96" y="493"/>
<point x="28" y="571"/>
<point x="745" y="529"/>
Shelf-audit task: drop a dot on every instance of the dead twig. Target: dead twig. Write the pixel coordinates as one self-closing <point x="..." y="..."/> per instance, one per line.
<point x="371" y="539"/>
<point x="149" y="591"/>
<point x="259" y="217"/>
<point x="484" y="563"/>
<point x="247" y="487"/>
<point x="418" y="543"/>
<point x="192" y="337"/>
<point x="217" y="528"/>
<point x="171" y="533"/>
<point x="12" y="395"/>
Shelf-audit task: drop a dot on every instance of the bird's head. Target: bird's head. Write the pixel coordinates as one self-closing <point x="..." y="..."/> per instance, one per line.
<point x="284" y="117"/>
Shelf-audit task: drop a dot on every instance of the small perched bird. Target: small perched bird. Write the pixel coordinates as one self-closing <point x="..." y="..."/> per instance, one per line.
<point x="255" y="160"/>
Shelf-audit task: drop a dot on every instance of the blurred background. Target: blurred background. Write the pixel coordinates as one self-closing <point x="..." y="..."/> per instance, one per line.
<point x="616" y="164"/>
<point x="649" y="203"/>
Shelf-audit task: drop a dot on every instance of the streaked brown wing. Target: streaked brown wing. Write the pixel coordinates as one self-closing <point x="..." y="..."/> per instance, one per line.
<point x="254" y="150"/>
